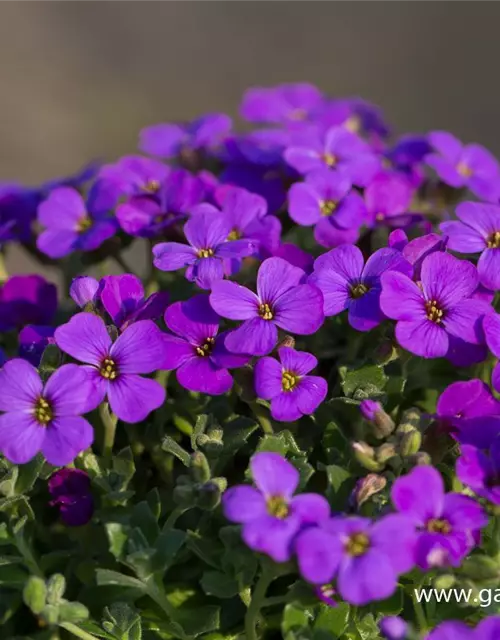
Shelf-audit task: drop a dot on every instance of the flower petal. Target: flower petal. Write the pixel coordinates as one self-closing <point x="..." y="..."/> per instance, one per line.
<point x="208" y="271"/>
<point x="223" y="358"/>
<point x="304" y="204"/>
<point x="84" y="338"/>
<point x="365" y="312"/>
<point x="488" y="269"/>
<point x="300" y="310"/>
<point x="121" y="295"/>
<point x="491" y="326"/>
<point x="346" y="260"/>
<point x="272" y="536"/>
<point x="401" y="299"/>
<point x="285" y="408"/>
<point x="233" y="301"/>
<point x="20" y="386"/>
<point x="419" y="494"/>
<point x="464" y="321"/>
<point x="366" y="578"/>
<point x="193" y="319"/>
<point x="310" y="393"/>
<point x="275" y="277"/>
<point x="274" y="475"/>
<point x="462" y="238"/>
<point x="57" y="243"/>
<point x="21" y="437"/>
<point x="177" y="352"/>
<point x="268" y="378"/>
<point x="448" y="279"/>
<point x="170" y="256"/>
<point x="243" y="504"/>
<point x="318" y="555"/>
<point x="132" y="398"/>
<point x="423" y="338"/>
<point x="255" y="337"/>
<point x="383" y="260"/>
<point x="202" y="375"/>
<point x="72" y="391"/>
<point x="63" y="209"/>
<point x="300" y="362"/>
<point x="207" y="227"/>
<point x="140" y="348"/>
<point x="66" y="437"/>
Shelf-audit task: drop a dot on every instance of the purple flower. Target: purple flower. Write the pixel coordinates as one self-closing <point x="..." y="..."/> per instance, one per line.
<point x="295" y="256"/>
<point x="285" y="103"/>
<point x="416" y="250"/>
<point x="123" y="298"/>
<point x="44" y="417"/>
<point x="270" y="514"/>
<point x="3" y="358"/>
<point x="326" y="594"/>
<point x="136" y="175"/>
<point x="387" y="199"/>
<point x="326" y="200"/>
<point x="337" y="149"/>
<point x="487" y="629"/>
<point x="478" y="231"/>
<point x="71" y="225"/>
<point x="370" y="409"/>
<point x="196" y="351"/>
<point x="281" y="301"/>
<point x="259" y="180"/>
<point x="70" y="491"/>
<point x="407" y="156"/>
<point x="463" y="400"/>
<point x="169" y="140"/>
<point x="366" y="558"/>
<point x="491" y="325"/>
<point x="115" y="368"/>
<point x="459" y="165"/>
<point x="84" y="290"/>
<point x="27" y="300"/>
<point x="291" y="391"/>
<point x="32" y="342"/>
<point x="480" y="471"/>
<point x="441" y="308"/>
<point x="447" y="522"/>
<point x="393" y="628"/>
<point x="207" y="235"/>
<point x="348" y="283"/>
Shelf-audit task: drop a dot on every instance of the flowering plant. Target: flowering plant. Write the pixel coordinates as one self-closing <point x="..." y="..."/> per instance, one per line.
<point x="288" y="423"/>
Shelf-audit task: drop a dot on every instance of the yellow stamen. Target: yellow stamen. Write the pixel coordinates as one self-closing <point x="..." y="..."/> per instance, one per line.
<point x="434" y="313"/>
<point x="494" y="240"/>
<point x="359" y="290"/>
<point x="329" y="159"/>
<point x="327" y="207"/>
<point x="206" y="348"/>
<point x="265" y="311"/>
<point x="436" y="525"/>
<point x="358" y="544"/>
<point x="108" y="369"/>
<point x="289" y="380"/>
<point x="43" y="412"/>
<point x="205" y="253"/>
<point x="277" y="507"/>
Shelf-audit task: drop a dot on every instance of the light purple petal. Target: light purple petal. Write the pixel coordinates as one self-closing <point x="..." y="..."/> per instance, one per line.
<point x="446" y="170"/>
<point x="100" y="231"/>
<point x="274" y="475"/>
<point x="20" y="437"/>
<point x="233" y="301"/>
<point x="495" y="377"/>
<point x="335" y="288"/>
<point x="395" y="535"/>
<point x="488" y="269"/>
<point x="454" y="630"/>
<point x="275" y="277"/>
<point x="318" y="555"/>
<point x="303" y="159"/>
<point x="177" y="351"/>
<point x="464" y="321"/>
<point x="170" y="256"/>
<point x="482" y="218"/>
<point x="20" y="386"/>
<point x="66" y="437"/>
<point x="62" y="210"/>
<point x="208" y="271"/>
<point x="463" y="512"/>
<point x="132" y="398"/>
<point x="71" y="390"/>
<point x="84" y="290"/>
<point x="311" y="508"/>
<point x="446" y="144"/>
<point x="243" y="504"/>
<point x="268" y="378"/>
<point x="238" y="248"/>
<point x="193" y="319"/>
<point x="203" y="375"/>
<point x="448" y="279"/>
<point x="271" y="536"/>
<point x="300" y="362"/>
<point x="225" y="359"/>
<point x="300" y="310"/>
<point x="121" y="295"/>
<point x="162" y="140"/>
<point x="255" y="337"/>
<point x="330" y="235"/>
<point x="462" y="238"/>
<point x="207" y="229"/>
<point x="383" y="260"/>
<point x="401" y="299"/>
<point x="304" y="204"/>
<point x="366" y="578"/>
<point x="310" y="393"/>
<point x="491" y="326"/>
<point x="351" y="212"/>
<point x="346" y="260"/>
<point x="139" y="349"/>
<point x="57" y="243"/>
<point x="284" y="407"/>
<point x="84" y="338"/>
<point x="423" y="338"/>
<point x="419" y="494"/>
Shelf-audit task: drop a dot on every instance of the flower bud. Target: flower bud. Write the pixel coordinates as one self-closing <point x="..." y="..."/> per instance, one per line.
<point x="445" y="581"/>
<point x="366" y="487"/>
<point x="481" y="568"/>
<point x="422" y="457"/>
<point x="209" y="495"/>
<point x="382" y="423"/>
<point x="410" y="417"/>
<point x="288" y="341"/>
<point x="385" y="452"/>
<point x="365" y="455"/>
<point x="410" y="443"/>
<point x="199" y="467"/>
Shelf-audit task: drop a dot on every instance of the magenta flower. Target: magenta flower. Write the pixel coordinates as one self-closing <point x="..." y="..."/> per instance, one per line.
<point x="365" y="557"/>
<point x="281" y="301"/>
<point x="478" y="231"/>
<point x="442" y="307"/>
<point x="169" y="140"/>
<point x="196" y="351"/>
<point x="393" y="628"/>
<point x="70" y="491"/>
<point x="291" y="391"/>
<point x="491" y="325"/>
<point x="388" y="198"/>
<point x="285" y="103"/>
<point x="44" y="418"/>
<point x="270" y="514"/>
<point x="71" y="225"/>
<point x="27" y="300"/>
<point x="115" y="367"/>
<point x="487" y="629"/>
<point x="448" y="523"/>
<point x="207" y="235"/>
<point x="459" y="165"/>
<point x="463" y="400"/>
<point x="480" y="471"/>
<point x="325" y="199"/>
<point x="337" y="149"/>
<point x="347" y="283"/>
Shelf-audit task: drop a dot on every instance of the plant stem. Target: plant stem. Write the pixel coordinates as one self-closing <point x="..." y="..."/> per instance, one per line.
<point x="258" y="596"/>
<point x="172" y="518"/>
<point x="76" y="631"/>
<point x="109" y="421"/>
<point x="262" y="416"/>
<point x="420" y="614"/>
<point x="3" y="269"/>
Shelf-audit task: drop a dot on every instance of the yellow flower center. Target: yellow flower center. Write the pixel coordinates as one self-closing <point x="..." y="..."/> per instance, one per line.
<point x="434" y="313"/>
<point x="379" y="217"/>
<point x="328" y="207"/>
<point x="206" y="348"/>
<point x="464" y="170"/>
<point x="84" y="224"/>
<point x="265" y="311"/>
<point x="329" y="159"/>
<point x="289" y="380"/>
<point x="353" y="124"/>
<point x="359" y="290"/>
<point x="436" y="525"/>
<point x="358" y="544"/>
<point x="234" y="235"/>
<point x="298" y="114"/>
<point x="277" y="507"/>
<point x="205" y="253"/>
<point x="152" y="186"/>
<point x="494" y="240"/>
<point x="43" y="412"/>
<point x="108" y="369"/>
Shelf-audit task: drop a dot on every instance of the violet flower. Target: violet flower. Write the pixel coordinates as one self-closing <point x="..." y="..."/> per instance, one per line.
<point x="388" y="198"/>
<point x="197" y="351"/>
<point x="207" y="249"/>
<point x="44" y="417"/>
<point x="32" y="342"/>
<point x="481" y="471"/>
<point x="291" y="391"/>
<point x="27" y="300"/>
<point x="393" y="628"/>
<point x="136" y="175"/>
<point x="459" y="165"/>
<point x="487" y="629"/>
<point x="270" y="514"/>
<point x="70" y="491"/>
<point x="347" y="283"/>
<point x="281" y="301"/>
<point x="463" y="400"/>
<point x="84" y="290"/>
<point x="478" y="231"/>
<point x="442" y="307"/>
<point x="285" y="103"/>
<point x="325" y="199"/>
<point x="71" y="224"/>
<point x="491" y="326"/>
<point x="115" y="367"/>
<point x="447" y="522"/>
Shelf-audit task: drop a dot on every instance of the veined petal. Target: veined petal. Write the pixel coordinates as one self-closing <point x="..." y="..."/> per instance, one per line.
<point x="139" y="349"/>
<point x="20" y="386"/>
<point x="170" y="256"/>
<point x="201" y="374"/>
<point x="66" y="437"/>
<point x="21" y="437"/>
<point x="84" y="338"/>
<point x="268" y="378"/>
<point x="233" y="301"/>
<point x="448" y="279"/>
<point x="300" y="310"/>
<point x="255" y="337"/>
<point x="274" y="475"/>
<point x="275" y="277"/>
<point x="132" y="398"/>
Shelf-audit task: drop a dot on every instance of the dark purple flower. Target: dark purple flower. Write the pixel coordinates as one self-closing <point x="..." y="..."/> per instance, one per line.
<point x="388" y="198"/>
<point x="443" y="306"/>
<point x="44" y="417"/>
<point x="337" y="149"/>
<point x="447" y="522"/>
<point x="115" y="367"/>
<point x="491" y="326"/>
<point x="124" y="299"/>
<point x="291" y="391"/>
<point x="71" y="224"/>
<point x="393" y="628"/>
<point x="365" y="557"/>
<point x="481" y="471"/>
<point x="478" y="231"/>
<point x="487" y="629"/>
<point x="281" y="301"/>
<point x="459" y="165"/>
<point x="347" y="283"/>
<point x="84" y="290"/>
<point x="270" y="514"/>
<point x="169" y="140"/>
<point x="295" y="256"/>
<point x="325" y="199"/>
<point x="263" y="148"/>
<point x="3" y="358"/>
<point x="286" y="103"/>
<point x="259" y="180"/>
<point x="70" y="491"/>
<point x="32" y="342"/>
<point x="208" y="247"/>
<point x="27" y="300"/>
<point x="196" y="351"/>
<point x="407" y="157"/>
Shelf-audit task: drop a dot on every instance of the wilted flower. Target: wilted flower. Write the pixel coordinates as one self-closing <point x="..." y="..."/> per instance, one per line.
<point x="70" y="491"/>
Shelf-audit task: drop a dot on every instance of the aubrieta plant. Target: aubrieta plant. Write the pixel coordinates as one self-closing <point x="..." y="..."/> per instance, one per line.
<point x="286" y="422"/>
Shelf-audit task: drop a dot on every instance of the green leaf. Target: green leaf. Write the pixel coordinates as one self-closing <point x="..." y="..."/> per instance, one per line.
<point x="117" y="536"/>
<point x="167" y="546"/>
<point x="122" y="622"/>
<point x="366" y="382"/>
<point x="154" y="501"/>
<point x="35" y="594"/>
<point x="72" y="612"/>
<point x="209" y="551"/>
<point x="28" y="473"/>
<point x="218" y="584"/>
<point x="337" y="476"/>
<point x="106" y="577"/>
<point x="199" y="620"/>
<point x="8" y="479"/>
<point x="368" y="628"/>
<point x="143" y="518"/>
<point x="201" y="425"/>
<point x="171" y="446"/>
<point x="294" y="618"/>
<point x="13" y="576"/>
<point x="333" y="619"/>
<point x="237" y="432"/>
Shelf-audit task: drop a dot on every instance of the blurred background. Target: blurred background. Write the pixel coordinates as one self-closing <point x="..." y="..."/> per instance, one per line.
<point x="79" y="80"/>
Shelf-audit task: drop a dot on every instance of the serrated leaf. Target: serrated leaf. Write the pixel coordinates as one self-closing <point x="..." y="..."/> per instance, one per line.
<point x="273" y="443"/>
<point x="171" y="446"/>
<point x="218" y="584"/>
<point x="122" y="622"/>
